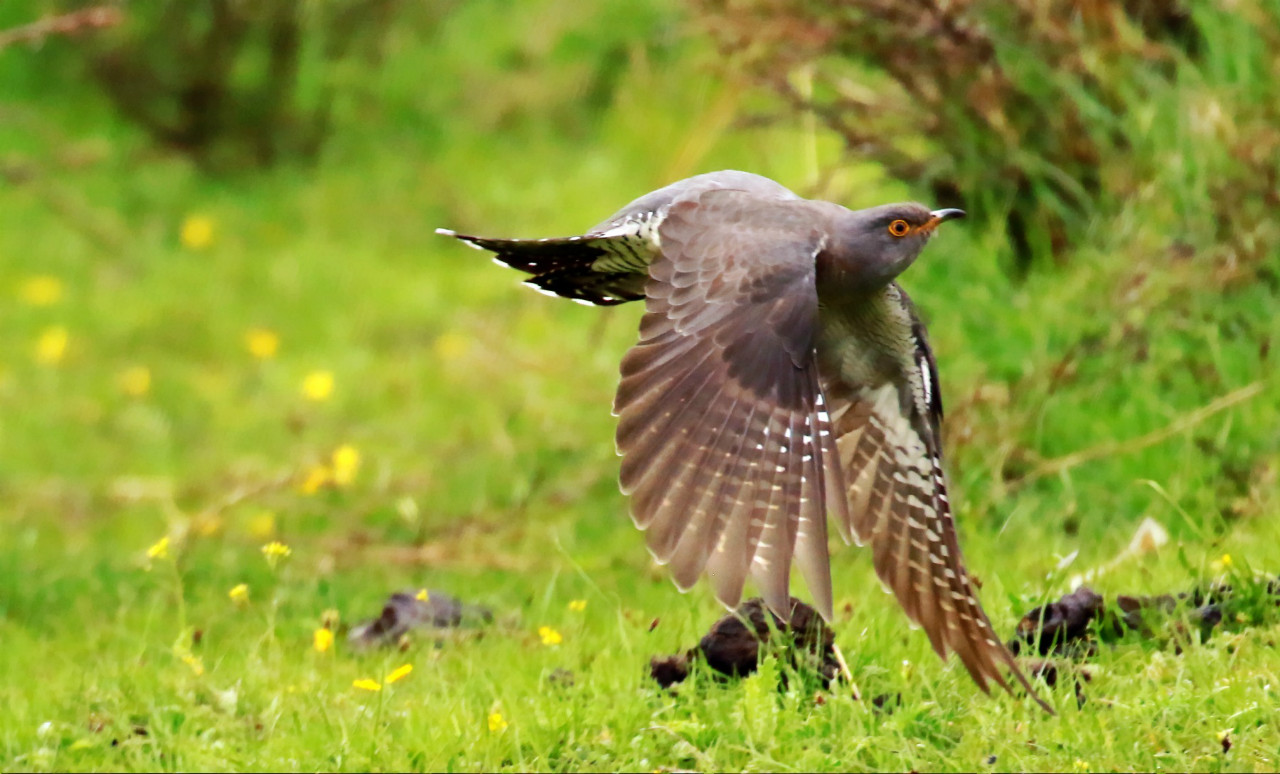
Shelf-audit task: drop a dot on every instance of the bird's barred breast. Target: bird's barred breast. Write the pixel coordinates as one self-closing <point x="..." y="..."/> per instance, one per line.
<point x="870" y="342"/>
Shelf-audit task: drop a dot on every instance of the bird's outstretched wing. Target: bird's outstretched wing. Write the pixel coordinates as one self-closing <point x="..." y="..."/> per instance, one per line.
<point x="726" y="451"/>
<point x="891" y="456"/>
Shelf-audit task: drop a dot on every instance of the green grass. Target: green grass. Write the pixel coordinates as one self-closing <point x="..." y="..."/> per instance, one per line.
<point x="481" y="415"/>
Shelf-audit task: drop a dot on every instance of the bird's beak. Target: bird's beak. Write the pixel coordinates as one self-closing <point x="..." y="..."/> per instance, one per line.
<point x="939" y="216"/>
<point x="942" y="216"/>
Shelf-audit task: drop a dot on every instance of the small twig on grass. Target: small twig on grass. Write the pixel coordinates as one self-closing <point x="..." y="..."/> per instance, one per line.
<point x="1150" y="536"/>
<point x="65" y="24"/>
<point x="1112" y="448"/>
<point x="250" y="491"/>
<point x="844" y="670"/>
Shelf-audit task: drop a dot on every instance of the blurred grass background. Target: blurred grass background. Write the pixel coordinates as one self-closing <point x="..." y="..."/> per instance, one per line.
<point x="190" y="251"/>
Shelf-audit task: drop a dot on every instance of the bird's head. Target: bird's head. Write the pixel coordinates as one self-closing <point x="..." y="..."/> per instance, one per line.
<point x="871" y="247"/>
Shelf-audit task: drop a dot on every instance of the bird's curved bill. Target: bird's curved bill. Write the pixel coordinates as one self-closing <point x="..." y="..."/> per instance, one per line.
<point x="939" y="216"/>
<point x="942" y="216"/>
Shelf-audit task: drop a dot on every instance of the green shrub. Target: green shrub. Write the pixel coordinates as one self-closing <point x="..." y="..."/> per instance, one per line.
<point x="1028" y="112"/>
<point x="240" y="84"/>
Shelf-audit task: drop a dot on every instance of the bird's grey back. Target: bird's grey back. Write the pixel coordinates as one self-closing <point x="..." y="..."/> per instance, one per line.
<point x="656" y="203"/>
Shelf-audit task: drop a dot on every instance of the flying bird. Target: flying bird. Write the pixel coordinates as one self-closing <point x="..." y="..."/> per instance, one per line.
<point x="782" y="380"/>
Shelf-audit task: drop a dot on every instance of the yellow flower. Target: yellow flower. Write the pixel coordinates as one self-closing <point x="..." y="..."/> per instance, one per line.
<point x="274" y="552"/>
<point x="135" y="381"/>
<point x="318" y="385"/>
<point x="239" y="593"/>
<point x="578" y="605"/>
<point x="317" y="478"/>
<point x="41" y="290"/>
<point x="276" y="548"/>
<point x="451" y="346"/>
<point x="322" y="640"/>
<point x="262" y="343"/>
<point x="1226" y="560"/>
<point x="423" y="595"/>
<point x="51" y="346"/>
<point x="194" y="662"/>
<point x="365" y="684"/>
<point x="549" y="636"/>
<point x="159" y="549"/>
<point x="399" y="673"/>
<point x="197" y="232"/>
<point x="346" y="461"/>
<point x="1082" y="765"/>
<point x="263" y="525"/>
<point x="497" y="723"/>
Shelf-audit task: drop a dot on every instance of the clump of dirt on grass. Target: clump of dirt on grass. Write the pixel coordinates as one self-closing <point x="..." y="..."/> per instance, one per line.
<point x="1069" y="628"/>
<point x="1074" y="624"/>
<point x="1061" y="626"/>
<point x="735" y="644"/>
<point x="408" y="611"/>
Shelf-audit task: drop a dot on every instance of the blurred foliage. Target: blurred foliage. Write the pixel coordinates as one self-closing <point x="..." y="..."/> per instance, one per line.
<point x="1030" y="112"/>
<point x="241" y="84"/>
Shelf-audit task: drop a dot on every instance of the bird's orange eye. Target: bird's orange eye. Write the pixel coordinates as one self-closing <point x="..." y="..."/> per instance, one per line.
<point x="899" y="228"/>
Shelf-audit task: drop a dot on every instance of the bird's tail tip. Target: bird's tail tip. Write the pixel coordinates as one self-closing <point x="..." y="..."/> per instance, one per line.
<point x="1026" y="684"/>
<point x="466" y="239"/>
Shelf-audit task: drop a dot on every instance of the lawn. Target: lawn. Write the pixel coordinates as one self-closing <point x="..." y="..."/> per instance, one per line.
<point x="238" y="411"/>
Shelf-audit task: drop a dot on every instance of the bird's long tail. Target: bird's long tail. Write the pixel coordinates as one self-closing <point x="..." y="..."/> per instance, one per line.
<point x="599" y="270"/>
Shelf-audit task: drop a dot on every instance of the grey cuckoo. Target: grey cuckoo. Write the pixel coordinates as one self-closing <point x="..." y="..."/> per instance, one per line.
<point x="782" y="379"/>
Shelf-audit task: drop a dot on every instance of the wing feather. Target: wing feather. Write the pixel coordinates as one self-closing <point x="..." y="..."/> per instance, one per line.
<point x="819" y="489"/>
<point x="650" y="432"/>
<point x="706" y="519"/>
<point x="776" y="512"/>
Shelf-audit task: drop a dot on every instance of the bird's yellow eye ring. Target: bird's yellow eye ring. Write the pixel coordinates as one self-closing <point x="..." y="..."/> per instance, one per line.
<point x="899" y="228"/>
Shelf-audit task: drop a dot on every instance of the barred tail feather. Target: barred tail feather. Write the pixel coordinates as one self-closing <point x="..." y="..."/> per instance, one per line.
<point x="597" y="270"/>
